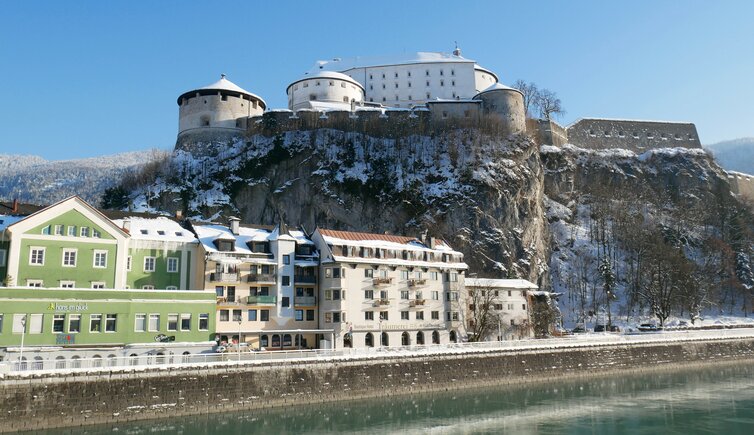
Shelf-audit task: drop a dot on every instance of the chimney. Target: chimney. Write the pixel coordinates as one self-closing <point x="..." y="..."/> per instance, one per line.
<point x="127" y="225"/>
<point x="179" y="215"/>
<point x="15" y="206"/>
<point x="235" y="224"/>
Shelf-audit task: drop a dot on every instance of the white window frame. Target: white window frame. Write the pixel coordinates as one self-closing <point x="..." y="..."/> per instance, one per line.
<point x="96" y="233"/>
<point x="173" y="317"/>
<point x="34" y="283"/>
<point x="154" y="263"/>
<point x="71" y="317"/>
<point x="19" y="323"/>
<point x="114" y="319"/>
<point x="203" y="316"/>
<point x="174" y="261"/>
<point x="143" y="318"/>
<point x="33" y="249"/>
<point x="183" y="317"/>
<point x="67" y="284"/>
<point x="58" y="230"/>
<point x="37" y="320"/>
<point x="75" y="253"/>
<point x="94" y="260"/>
<point x="171" y="287"/>
<point x="71" y="230"/>
<point x="128" y="263"/>
<point x="58" y="317"/>
<point x="149" y="322"/>
<point x="98" y="284"/>
<point x="91" y="319"/>
<point x="147" y="287"/>
<point x="83" y="230"/>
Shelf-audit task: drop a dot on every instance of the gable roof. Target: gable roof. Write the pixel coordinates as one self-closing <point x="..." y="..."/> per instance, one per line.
<point x="360" y="237"/>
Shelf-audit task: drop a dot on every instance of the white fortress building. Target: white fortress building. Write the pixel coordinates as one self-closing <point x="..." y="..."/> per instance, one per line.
<point x="402" y="81"/>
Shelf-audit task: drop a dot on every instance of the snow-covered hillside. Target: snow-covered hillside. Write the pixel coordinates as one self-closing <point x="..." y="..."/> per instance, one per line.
<point x="36" y="180"/>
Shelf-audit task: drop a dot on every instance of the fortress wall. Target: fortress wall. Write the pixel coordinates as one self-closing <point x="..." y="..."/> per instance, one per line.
<point x="742" y="184"/>
<point x="547" y="132"/>
<point x="637" y="136"/>
<point x="115" y="395"/>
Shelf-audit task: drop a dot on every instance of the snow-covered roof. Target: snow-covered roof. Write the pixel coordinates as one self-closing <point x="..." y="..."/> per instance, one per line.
<point x="209" y="233"/>
<point x="500" y="283"/>
<point x="158" y="228"/>
<point x="327" y="74"/>
<point x="344" y="64"/>
<point x="499" y="86"/>
<point x="222" y="85"/>
<point x="6" y="221"/>
<point x="385" y="241"/>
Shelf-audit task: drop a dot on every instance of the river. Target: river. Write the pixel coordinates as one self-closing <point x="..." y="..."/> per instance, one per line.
<point x="712" y="400"/>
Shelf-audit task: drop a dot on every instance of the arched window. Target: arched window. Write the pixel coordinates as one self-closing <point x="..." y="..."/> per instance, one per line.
<point x="97" y="361"/>
<point x="287" y="340"/>
<point x="60" y="362"/>
<point x="405" y="339"/>
<point x="348" y="340"/>
<point x="75" y="362"/>
<point x="186" y="357"/>
<point x="420" y="338"/>
<point x="160" y="358"/>
<point x="21" y="364"/>
<point x="223" y="339"/>
<point x="264" y="341"/>
<point x="435" y="337"/>
<point x="112" y="360"/>
<point x="385" y="340"/>
<point x="275" y="340"/>
<point x="299" y="339"/>
<point x="369" y="340"/>
<point x="133" y="359"/>
<point x="453" y="338"/>
<point x="38" y="363"/>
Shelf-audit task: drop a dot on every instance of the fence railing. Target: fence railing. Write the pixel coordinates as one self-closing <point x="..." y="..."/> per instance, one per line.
<point x="233" y="356"/>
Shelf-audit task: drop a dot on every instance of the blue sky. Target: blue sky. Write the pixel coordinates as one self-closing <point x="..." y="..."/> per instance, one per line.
<point x="90" y="78"/>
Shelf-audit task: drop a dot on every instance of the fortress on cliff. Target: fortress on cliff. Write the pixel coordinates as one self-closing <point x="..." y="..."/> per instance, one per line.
<point x="419" y="89"/>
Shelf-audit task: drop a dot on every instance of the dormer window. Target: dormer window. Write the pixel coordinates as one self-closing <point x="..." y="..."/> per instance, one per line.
<point x="225" y="245"/>
<point x="145" y="232"/>
<point x="179" y="233"/>
<point x="160" y="232"/>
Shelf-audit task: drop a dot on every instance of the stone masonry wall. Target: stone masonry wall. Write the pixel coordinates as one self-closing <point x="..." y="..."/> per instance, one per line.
<point x="79" y="399"/>
<point x="637" y="136"/>
<point x="742" y="185"/>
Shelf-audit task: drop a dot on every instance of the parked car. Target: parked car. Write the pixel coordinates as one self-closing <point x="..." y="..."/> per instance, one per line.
<point x="579" y="329"/>
<point x="614" y="328"/>
<point x="649" y="327"/>
<point x="600" y="328"/>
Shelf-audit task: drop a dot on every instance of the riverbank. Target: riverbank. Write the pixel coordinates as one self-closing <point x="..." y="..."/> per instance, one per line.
<point x="74" y="399"/>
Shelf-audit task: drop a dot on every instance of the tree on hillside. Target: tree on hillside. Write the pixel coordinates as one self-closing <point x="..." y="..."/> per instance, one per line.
<point x="531" y="94"/>
<point x="608" y="285"/>
<point x="549" y="104"/>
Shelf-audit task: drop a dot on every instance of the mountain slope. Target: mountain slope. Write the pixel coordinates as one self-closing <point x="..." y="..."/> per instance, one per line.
<point x="735" y="155"/>
<point x="36" y="180"/>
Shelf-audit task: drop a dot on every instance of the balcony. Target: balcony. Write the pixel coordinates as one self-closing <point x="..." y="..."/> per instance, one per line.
<point x="261" y="300"/>
<point x="379" y="281"/>
<point x="228" y="300"/>
<point x="381" y="302"/>
<point x="304" y="279"/>
<point x="416" y="303"/>
<point x="262" y="277"/>
<point x="223" y="277"/>
<point x="416" y="282"/>
<point x="305" y="301"/>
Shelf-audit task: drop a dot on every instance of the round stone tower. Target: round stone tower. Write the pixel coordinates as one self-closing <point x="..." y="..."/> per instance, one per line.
<point x="506" y="103"/>
<point x="215" y="112"/>
<point x="324" y="90"/>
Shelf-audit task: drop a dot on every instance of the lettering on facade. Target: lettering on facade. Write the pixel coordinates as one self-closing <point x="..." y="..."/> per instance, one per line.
<point x="56" y="306"/>
<point x="400" y="327"/>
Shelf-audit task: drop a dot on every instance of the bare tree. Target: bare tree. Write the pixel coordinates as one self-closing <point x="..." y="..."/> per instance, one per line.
<point x="549" y="104"/>
<point x="531" y="95"/>
<point x="483" y="318"/>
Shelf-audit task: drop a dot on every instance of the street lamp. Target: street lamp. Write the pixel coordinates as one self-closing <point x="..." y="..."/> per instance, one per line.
<point x="239" y="339"/>
<point x="23" y="334"/>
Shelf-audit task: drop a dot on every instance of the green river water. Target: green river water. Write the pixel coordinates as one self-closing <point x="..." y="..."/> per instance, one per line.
<point x="713" y="400"/>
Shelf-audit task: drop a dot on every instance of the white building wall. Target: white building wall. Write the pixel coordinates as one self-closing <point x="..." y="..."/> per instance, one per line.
<point x="202" y="111"/>
<point x="414" y="84"/>
<point x="302" y="94"/>
<point x="482" y="80"/>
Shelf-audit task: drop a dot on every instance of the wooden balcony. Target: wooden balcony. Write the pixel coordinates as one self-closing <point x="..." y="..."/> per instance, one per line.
<point x="416" y="282"/>
<point x="381" y="302"/>
<point x="416" y="303"/>
<point x="380" y="281"/>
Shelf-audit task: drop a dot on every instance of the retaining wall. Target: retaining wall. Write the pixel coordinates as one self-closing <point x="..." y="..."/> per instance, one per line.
<point x="77" y="399"/>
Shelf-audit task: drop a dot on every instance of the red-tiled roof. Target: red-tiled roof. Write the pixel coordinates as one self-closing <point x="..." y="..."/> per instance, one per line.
<point x="351" y="235"/>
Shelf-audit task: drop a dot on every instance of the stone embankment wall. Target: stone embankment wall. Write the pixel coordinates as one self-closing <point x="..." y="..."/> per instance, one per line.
<point x="743" y="185"/>
<point x="637" y="136"/>
<point x="80" y="399"/>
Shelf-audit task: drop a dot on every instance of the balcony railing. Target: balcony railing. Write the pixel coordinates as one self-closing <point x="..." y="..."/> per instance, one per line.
<point x="223" y="277"/>
<point x="416" y="282"/>
<point x="261" y="300"/>
<point x="262" y="277"/>
<point x="416" y="302"/>
<point x="381" y="302"/>
<point x="305" y="301"/>
<point x="304" y="279"/>
<point x="378" y="281"/>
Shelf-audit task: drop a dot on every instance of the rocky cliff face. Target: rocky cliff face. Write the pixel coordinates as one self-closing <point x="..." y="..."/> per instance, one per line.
<point x="482" y="193"/>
